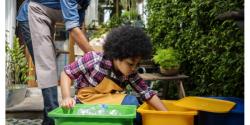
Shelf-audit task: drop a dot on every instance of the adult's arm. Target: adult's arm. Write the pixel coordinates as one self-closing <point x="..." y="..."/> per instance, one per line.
<point x="80" y="39"/>
<point x="72" y="22"/>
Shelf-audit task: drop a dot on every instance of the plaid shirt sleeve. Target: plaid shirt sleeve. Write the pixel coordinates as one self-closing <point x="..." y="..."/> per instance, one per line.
<point x="140" y="86"/>
<point x="83" y="65"/>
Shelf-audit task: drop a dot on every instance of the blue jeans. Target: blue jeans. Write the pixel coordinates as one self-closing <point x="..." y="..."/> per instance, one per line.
<point x="50" y="102"/>
<point x="25" y="37"/>
<point x="132" y="100"/>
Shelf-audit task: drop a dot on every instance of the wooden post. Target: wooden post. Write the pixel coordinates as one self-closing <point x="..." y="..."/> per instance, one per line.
<point x="117" y="8"/>
<point x="71" y="50"/>
<point x="182" y="93"/>
<point x="32" y="71"/>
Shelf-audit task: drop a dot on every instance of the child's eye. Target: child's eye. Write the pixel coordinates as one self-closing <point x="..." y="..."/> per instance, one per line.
<point x="130" y="64"/>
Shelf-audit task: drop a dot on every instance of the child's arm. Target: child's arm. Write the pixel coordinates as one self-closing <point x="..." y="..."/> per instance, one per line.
<point x="149" y="96"/>
<point x="67" y="101"/>
<point x="156" y="103"/>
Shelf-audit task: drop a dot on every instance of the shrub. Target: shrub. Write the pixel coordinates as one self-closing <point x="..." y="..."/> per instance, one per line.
<point x="212" y="51"/>
<point x="167" y="58"/>
<point x="16" y="65"/>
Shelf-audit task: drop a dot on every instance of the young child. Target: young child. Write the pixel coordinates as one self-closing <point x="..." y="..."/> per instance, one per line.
<point x="101" y="76"/>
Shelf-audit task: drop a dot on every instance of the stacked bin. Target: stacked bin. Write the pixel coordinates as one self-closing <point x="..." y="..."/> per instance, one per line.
<point x="174" y="116"/>
<point x="234" y="117"/>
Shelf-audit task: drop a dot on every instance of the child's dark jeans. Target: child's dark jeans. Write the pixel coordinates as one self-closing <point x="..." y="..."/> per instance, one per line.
<point x="132" y="100"/>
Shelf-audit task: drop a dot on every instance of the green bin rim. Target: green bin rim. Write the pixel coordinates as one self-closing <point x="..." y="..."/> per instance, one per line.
<point x="56" y="113"/>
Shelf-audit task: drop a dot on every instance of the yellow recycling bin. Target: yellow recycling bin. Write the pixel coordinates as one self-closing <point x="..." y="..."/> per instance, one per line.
<point x="174" y="116"/>
<point x="205" y="104"/>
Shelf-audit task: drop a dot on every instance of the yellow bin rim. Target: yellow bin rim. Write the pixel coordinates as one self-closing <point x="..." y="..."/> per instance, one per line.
<point x="142" y="109"/>
<point x="205" y="104"/>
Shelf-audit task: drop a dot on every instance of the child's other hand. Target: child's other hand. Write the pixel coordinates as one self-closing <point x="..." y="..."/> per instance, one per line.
<point x="68" y="103"/>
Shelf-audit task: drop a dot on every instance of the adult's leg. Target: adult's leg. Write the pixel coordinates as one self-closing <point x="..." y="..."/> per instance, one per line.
<point x="24" y="36"/>
<point x="42" y="30"/>
<point x="50" y="102"/>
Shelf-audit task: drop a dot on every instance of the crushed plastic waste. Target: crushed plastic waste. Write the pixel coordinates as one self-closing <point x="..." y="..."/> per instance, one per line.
<point x="101" y="109"/>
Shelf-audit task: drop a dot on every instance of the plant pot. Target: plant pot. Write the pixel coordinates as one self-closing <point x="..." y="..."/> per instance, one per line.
<point x="147" y="69"/>
<point x="169" y="72"/>
<point x="15" y="95"/>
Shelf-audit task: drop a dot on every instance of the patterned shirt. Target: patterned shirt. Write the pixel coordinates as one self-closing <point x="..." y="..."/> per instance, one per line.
<point x="90" y="70"/>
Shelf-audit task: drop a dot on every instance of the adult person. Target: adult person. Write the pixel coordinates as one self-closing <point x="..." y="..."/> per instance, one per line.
<point x="42" y="16"/>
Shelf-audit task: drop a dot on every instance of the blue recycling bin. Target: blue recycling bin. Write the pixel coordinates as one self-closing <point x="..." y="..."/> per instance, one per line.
<point x="234" y="117"/>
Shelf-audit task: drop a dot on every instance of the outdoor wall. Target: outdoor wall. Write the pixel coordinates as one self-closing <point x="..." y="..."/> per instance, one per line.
<point x="10" y="20"/>
<point x="91" y="12"/>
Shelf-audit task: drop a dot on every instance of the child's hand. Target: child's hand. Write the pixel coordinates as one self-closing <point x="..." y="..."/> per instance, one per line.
<point x="68" y="103"/>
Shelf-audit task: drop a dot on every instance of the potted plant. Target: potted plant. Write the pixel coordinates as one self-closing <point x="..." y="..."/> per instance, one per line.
<point x="16" y="73"/>
<point x="169" y="61"/>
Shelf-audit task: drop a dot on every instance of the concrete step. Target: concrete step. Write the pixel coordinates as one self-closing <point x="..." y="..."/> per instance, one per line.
<point x="24" y="115"/>
<point x="33" y="101"/>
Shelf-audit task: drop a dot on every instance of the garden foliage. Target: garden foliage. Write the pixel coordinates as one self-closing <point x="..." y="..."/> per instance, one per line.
<point x="212" y="50"/>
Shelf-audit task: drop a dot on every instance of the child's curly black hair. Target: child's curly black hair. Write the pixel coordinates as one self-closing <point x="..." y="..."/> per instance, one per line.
<point x="127" y="42"/>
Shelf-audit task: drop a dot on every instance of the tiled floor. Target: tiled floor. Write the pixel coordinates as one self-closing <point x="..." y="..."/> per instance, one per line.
<point x="13" y="121"/>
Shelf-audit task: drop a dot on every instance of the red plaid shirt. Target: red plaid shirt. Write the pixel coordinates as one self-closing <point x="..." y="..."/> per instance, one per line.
<point x="90" y="70"/>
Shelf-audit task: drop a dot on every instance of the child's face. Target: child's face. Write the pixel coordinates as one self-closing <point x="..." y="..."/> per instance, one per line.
<point x="126" y="66"/>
